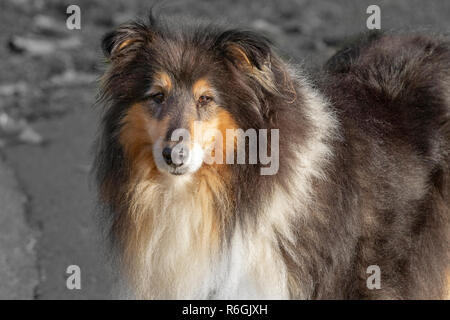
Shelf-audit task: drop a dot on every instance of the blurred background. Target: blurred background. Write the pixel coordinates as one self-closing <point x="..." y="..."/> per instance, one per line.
<point x="48" y="120"/>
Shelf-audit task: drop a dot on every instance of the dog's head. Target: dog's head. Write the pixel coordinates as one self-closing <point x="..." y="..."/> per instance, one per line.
<point x="172" y="89"/>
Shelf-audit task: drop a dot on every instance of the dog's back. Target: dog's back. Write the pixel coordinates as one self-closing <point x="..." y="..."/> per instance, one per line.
<point x="392" y="96"/>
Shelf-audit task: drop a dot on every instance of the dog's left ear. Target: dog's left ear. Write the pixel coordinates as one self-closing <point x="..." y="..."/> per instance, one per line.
<point x="125" y="38"/>
<point x="245" y="48"/>
<point x="251" y="53"/>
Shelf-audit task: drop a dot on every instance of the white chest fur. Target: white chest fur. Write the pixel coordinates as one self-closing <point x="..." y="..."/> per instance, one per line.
<point x="183" y="260"/>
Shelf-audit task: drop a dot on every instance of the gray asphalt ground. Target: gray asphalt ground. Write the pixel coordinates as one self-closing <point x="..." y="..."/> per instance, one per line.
<point x="18" y="269"/>
<point x="47" y="204"/>
<point x="62" y="206"/>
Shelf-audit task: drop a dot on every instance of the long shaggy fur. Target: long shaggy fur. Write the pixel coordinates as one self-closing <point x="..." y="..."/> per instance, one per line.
<point x="363" y="177"/>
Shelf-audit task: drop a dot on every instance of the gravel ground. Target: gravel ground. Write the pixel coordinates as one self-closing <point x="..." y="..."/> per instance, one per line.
<point x="47" y="92"/>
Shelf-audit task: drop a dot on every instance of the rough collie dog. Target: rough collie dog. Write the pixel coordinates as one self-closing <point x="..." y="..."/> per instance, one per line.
<point x="361" y="177"/>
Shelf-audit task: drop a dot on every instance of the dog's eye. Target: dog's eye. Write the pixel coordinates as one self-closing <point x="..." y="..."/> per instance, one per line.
<point x="204" y="100"/>
<point x="158" y="97"/>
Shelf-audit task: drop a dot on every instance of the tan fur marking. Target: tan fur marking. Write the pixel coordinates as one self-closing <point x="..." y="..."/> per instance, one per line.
<point x="240" y="54"/>
<point x="202" y="87"/>
<point x="125" y="43"/>
<point x="162" y="81"/>
<point x="119" y="47"/>
<point x="138" y="134"/>
<point x="222" y="121"/>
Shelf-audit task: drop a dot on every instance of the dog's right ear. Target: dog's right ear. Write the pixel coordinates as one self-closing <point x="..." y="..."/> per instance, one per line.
<point x="125" y="39"/>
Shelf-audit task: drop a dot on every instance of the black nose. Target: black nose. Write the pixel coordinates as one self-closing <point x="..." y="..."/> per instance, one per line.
<point x="180" y="155"/>
<point x="167" y="155"/>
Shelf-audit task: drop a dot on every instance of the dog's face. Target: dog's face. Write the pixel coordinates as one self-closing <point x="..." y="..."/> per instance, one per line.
<point x="177" y="118"/>
<point x="177" y="92"/>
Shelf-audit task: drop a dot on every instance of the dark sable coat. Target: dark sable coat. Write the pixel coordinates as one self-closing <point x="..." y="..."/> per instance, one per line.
<point x="363" y="176"/>
<point x="391" y="94"/>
